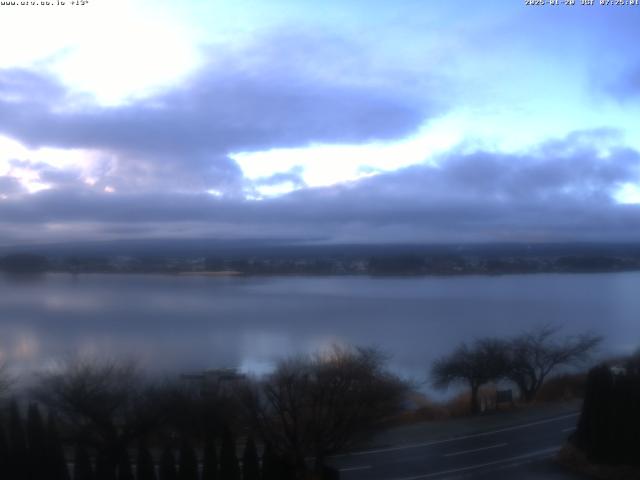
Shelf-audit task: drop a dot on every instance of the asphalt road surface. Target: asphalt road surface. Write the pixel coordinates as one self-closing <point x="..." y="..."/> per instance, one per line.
<point x="521" y="452"/>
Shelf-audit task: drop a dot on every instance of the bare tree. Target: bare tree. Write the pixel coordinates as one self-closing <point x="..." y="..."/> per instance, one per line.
<point x="535" y="354"/>
<point x="633" y="363"/>
<point x="314" y="406"/>
<point x="103" y="404"/>
<point x="5" y="380"/>
<point x="482" y="362"/>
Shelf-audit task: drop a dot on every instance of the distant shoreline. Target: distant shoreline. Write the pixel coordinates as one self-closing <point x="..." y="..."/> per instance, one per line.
<point x="234" y="273"/>
<point x="381" y="261"/>
<point x="210" y="273"/>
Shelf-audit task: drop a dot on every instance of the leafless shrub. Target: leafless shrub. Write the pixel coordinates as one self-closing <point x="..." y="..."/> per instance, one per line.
<point x="317" y="405"/>
<point x="104" y="404"/>
<point x="535" y="354"/>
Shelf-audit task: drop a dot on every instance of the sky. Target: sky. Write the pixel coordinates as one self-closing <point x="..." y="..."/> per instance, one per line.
<point x="336" y="121"/>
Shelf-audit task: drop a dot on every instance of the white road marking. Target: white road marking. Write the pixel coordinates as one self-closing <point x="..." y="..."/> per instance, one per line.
<point x="353" y="469"/>
<point x="538" y="453"/>
<point x="463" y="452"/>
<point x="438" y="442"/>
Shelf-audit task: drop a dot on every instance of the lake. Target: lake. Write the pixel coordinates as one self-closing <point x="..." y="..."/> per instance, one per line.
<point x="177" y="324"/>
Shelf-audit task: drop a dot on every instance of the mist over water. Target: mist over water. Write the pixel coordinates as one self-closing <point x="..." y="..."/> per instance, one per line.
<point x="175" y="324"/>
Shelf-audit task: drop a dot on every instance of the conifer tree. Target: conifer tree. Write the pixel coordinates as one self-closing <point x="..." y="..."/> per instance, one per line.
<point x="57" y="463"/>
<point x="250" y="463"/>
<point x="188" y="461"/>
<point x="286" y="469"/>
<point x="269" y="464"/>
<point x="210" y="460"/>
<point x="229" y="468"/>
<point x="124" y="466"/>
<point x="4" y="450"/>
<point x="168" y="465"/>
<point x="37" y="444"/>
<point x="105" y="469"/>
<point x="82" y="469"/>
<point x="145" y="466"/>
<point x="18" y="453"/>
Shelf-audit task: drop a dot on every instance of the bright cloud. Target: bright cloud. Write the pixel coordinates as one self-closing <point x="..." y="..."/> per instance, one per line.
<point x="108" y="49"/>
<point x="324" y="165"/>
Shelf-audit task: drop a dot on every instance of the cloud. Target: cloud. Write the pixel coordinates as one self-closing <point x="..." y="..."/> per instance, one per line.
<point x="624" y="85"/>
<point x="9" y="185"/>
<point x="293" y="177"/>
<point x="274" y="93"/>
<point x="21" y="86"/>
<point x="558" y="191"/>
<point x="49" y="175"/>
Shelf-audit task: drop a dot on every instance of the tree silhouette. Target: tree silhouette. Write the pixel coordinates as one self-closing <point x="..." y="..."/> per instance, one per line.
<point x="210" y="460"/>
<point x="317" y="405"/>
<point x="5" y="380"/>
<point x="107" y="404"/>
<point x="608" y="427"/>
<point x="105" y="468"/>
<point x="57" y="462"/>
<point x="124" y="466"/>
<point x="484" y="361"/>
<point x="250" y="463"/>
<point x="535" y="354"/>
<point x="145" y="467"/>
<point x="286" y="469"/>
<point x="269" y="471"/>
<point x="168" y="465"/>
<point x="82" y="469"/>
<point x="18" y="452"/>
<point x="37" y="441"/>
<point x="188" y="461"/>
<point x="229" y="468"/>
<point x="4" y="451"/>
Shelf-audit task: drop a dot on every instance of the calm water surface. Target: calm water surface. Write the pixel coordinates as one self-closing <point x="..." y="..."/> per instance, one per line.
<point x="188" y="323"/>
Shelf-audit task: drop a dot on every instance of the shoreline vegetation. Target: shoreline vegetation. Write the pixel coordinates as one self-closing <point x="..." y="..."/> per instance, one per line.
<point x="342" y="395"/>
<point x="211" y="273"/>
<point x="368" y="261"/>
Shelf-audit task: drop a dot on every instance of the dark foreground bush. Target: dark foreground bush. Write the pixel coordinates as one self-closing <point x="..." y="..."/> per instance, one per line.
<point x="574" y="459"/>
<point x="609" y="428"/>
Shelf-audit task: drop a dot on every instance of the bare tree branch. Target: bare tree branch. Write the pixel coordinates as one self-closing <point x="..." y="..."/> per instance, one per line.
<point x="317" y="405"/>
<point x="535" y="354"/>
<point x="104" y="404"/>
<point x="5" y="380"/>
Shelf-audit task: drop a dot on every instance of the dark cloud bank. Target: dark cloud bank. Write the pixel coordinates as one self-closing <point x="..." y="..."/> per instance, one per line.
<point x="555" y="194"/>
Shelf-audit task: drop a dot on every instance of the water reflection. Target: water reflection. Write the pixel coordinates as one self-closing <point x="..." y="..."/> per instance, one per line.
<point x="188" y="323"/>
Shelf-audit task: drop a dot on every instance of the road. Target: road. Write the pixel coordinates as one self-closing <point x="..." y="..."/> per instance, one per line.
<point x="521" y="452"/>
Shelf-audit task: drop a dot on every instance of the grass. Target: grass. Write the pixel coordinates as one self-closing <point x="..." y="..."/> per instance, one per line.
<point x="561" y="388"/>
